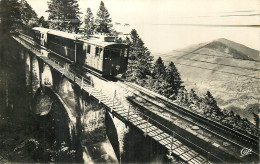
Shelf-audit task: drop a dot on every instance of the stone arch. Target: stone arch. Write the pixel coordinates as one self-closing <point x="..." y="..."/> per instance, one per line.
<point x="35" y="75"/>
<point x="27" y="69"/>
<point x="46" y="76"/>
<point x="66" y="91"/>
<point x="55" y="122"/>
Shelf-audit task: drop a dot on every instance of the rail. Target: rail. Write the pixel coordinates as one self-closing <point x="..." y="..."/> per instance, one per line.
<point x="180" y="110"/>
<point x="77" y="76"/>
<point x="218" y="125"/>
<point x="196" y="116"/>
<point x="148" y="118"/>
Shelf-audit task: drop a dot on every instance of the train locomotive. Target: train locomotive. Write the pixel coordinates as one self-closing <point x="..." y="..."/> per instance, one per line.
<point x="98" y="52"/>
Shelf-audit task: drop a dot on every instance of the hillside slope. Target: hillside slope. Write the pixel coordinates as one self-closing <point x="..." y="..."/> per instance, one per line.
<point x="230" y="71"/>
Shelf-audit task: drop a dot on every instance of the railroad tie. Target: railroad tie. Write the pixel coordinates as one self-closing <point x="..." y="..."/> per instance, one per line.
<point x="166" y="141"/>
<point x="150" y="129"/>
<point x="155" y="133"/>
<point x="139" y="121"/>
<point x="190" y="155"/>
<point x="164" y="136"/>
<point x="197" y="160"/>
<point x="144" y="126"/>
<point x="134" y="118"/>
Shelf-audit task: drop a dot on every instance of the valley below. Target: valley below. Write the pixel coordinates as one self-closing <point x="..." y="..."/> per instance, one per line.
<point x="229" y="70"/>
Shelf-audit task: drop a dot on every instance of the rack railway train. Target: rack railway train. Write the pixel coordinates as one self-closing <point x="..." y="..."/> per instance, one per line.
<point x="98" y="53"/>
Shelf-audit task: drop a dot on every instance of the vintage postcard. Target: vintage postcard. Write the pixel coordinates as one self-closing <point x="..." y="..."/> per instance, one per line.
<point x="129" y="81"/>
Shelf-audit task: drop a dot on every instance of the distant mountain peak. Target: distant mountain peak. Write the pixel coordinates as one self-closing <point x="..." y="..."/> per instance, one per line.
<point x="237" y="50"/>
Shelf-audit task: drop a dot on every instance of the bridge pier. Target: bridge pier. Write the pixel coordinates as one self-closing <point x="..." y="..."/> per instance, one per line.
<point x="35" y="76"/>
<point x="121" y="130"/>
<point x="95" y="143"/>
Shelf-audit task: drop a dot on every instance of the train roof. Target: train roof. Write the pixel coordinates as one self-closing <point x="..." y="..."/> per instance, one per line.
<point x="41" y="29"/>
<point x="99" y="40"/>
<point x="58" y="33"/>
<point x="65" y="34"/>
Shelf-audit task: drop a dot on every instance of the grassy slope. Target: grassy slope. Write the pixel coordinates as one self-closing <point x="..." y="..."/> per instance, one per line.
<point x="231" y="90"/>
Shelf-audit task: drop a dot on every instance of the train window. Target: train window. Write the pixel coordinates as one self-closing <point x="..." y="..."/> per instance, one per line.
<point x="98" y="51"/>
<point x="122" y="52"/>
<point x="88" y="49"/>
<point x="126" y="52"/>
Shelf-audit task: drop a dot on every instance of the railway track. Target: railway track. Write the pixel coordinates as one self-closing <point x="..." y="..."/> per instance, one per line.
<point x="249" y="138"/>
<point x="238" y="139"/>
<point x="225" y="133"/>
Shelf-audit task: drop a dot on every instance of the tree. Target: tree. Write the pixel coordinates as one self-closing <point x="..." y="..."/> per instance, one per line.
<point x="210" y="105"/>
<point x="168" y="85"/>
<point x="140" y="59"/>
<point x="64" y="15"/>
<point x="194" y="98"/>
<point x="103" y="22"/>
<point x="28" y="15"/>
<point x="175" y="76"/>
<point x="89" y="22"/>
<point x="127" y="40"/>
<point x="42" y="22"/>
<point x="10" y="17"/>
<point x="159" y="70"/>
<point x="182" y="97"/>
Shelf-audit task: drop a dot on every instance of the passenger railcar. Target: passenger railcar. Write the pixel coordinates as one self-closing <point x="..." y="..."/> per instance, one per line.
<point x="98" y="53"/>
<point x="40" y="35"/>
<point x="106" y="57"/>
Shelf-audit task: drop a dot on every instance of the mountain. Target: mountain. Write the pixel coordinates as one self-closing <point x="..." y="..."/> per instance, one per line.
<point x="229" y="70"/>
<point x="238" y="51"/>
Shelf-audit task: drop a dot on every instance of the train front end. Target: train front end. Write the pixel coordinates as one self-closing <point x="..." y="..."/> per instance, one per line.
<point x="115" y="59"/>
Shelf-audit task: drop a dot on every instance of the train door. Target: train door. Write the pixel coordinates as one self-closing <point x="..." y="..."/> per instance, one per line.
<point x="43" y="39"/>
<point x="107" y="62"/>
<point x="80" y="55"/>
<point x="115" y="60"/>
<point x="37" y="37"/>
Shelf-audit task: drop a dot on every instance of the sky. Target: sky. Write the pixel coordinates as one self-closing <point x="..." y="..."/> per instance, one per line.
<point x="166" y="25"/>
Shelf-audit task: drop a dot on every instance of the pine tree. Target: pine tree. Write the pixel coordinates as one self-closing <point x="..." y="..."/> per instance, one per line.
<point x="158" y="86"/>
<point x="64" y="15"/>
<point x="158" y="73"/>
<point x="194" y="98"/>
<point x="211" y="106"/>
<point x="42" y="22"/>
<point x="89" y="22"/>
<point x="140" y="59"/>
<point x="177" y="77"/>
<point x="182" y="97"/>
<point x="103" y="22"/>
<point x="168" y="84"/>
<point x="159" y="70"/>
<point x="127" y="40"/>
